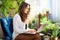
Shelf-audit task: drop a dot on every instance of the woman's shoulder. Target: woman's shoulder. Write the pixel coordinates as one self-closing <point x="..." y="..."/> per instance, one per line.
<point x="16" y="16"/>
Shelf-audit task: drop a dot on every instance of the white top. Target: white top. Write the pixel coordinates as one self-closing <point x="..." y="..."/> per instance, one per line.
<point x="18" y="26"/>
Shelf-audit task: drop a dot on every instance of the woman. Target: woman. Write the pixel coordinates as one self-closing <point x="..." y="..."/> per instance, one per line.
<point x="21" y="31"/>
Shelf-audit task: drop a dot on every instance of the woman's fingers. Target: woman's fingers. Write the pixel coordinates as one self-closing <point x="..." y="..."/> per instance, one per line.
<point x="32" y="30"/>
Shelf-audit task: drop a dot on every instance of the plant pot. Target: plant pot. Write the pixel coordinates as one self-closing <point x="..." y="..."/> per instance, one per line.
<point x="46" y="37"/>
<point x="56" y="38"/>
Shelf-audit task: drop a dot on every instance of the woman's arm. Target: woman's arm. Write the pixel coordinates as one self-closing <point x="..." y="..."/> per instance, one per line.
<point x="17" y="28"/>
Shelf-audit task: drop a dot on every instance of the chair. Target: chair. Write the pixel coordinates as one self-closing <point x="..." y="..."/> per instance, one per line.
<point x="7" y="28"/>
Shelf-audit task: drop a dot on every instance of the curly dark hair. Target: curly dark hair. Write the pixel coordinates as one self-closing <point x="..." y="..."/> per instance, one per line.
<point x="21" y="11"/>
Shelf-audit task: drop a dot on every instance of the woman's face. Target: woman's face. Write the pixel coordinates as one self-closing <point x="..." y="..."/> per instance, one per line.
<point x="27" y="9"/>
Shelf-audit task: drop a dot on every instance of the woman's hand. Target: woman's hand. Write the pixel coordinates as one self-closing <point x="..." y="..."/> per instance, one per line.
<point x="32" y="30"/>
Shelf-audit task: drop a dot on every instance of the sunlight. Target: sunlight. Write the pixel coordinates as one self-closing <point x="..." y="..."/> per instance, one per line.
<point x="38" y="6"/>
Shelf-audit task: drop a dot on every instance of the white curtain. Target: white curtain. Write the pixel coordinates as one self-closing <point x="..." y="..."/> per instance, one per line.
<point x="40" y="6"/>
<point x="56" y="10"/>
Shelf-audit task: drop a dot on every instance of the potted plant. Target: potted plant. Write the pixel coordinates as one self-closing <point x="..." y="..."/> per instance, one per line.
<point x="55" y="33"/>
<point x="49" y="26"/>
